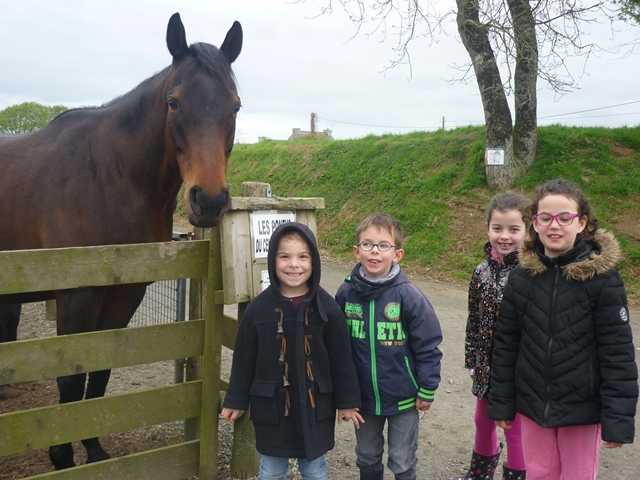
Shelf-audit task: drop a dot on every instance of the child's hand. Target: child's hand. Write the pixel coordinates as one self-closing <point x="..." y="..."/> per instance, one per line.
<point x="350" y="414"/>
<point x="612" y="445"/>
<point x="504" y="424"/>
<point x="230" y="414"/>
<point x="422" y="406"/>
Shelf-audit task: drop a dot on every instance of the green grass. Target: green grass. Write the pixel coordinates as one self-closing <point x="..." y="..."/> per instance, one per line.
<point x="430" y="181"/>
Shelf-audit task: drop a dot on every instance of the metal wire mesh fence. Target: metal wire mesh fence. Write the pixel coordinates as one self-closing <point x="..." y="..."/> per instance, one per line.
<point x="164" y="302"/>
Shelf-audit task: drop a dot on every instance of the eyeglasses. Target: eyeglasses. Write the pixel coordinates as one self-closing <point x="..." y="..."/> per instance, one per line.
<point x="382" y="246"/>
<point x="564" y="219"/>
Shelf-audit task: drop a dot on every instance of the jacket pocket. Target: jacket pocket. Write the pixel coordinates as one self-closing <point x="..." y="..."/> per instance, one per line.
<point x="264" y="408"/>
<point x="325" y="399"/>
<point x="413" y="379"/>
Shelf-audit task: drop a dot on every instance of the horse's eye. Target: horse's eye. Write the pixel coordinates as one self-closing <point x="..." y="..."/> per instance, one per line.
<point x="173" y="105"/>
<point x="237" y="109"/>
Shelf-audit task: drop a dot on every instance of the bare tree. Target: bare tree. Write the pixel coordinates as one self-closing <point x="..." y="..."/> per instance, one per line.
<point x="511" y="43"/>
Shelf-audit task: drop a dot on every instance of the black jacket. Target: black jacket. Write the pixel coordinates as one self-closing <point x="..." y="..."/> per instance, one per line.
<point x="563" y="349"/>
<point x="298" y="420"/>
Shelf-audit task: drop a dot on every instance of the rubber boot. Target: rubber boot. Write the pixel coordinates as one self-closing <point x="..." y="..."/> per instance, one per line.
<point x="511" y="474"/>
<point x="482" y="467"/>
<point x="372" y="473"/>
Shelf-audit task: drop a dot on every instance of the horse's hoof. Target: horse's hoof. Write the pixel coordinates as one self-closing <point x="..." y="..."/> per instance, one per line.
<point x="7" y="392"/>
<point x="62" y="456"/>
<point x="98" y="456"/>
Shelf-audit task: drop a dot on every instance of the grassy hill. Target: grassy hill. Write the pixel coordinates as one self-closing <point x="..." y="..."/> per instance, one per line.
<point x="434" y="183"/>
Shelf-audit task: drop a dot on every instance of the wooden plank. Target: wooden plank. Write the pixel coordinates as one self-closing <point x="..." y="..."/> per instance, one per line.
<point x="42" y="427"/>
<point x="61" y="268"/>
<point x="166" y="463"/>
<point x="214" y="314"/>
<point x="308" y="217"/>
<point x="229" y="331"/>
<point x="276" y="203"/>
<point x="236" y="261"/>
<point x="27" y="360"/>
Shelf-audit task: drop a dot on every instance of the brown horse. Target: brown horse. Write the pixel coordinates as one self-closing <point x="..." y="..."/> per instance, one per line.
<point x="111" y="175"/>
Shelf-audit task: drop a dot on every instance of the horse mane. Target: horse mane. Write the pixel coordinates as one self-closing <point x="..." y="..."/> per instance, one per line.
<point x="134" y="103"/>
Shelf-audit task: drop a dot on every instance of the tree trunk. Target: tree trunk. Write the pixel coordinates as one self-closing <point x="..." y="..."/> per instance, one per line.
<point x="525" y="131"/>
<point x="497" y="115"/>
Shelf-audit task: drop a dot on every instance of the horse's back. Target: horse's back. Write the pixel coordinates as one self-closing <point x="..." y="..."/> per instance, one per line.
<point x="65" y="185"/>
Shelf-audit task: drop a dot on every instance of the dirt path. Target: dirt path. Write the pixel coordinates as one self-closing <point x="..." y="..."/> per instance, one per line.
<point x="446" y="431"/>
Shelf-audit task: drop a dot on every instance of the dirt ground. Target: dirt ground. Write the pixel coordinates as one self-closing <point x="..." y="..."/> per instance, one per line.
<point x="446" y="431"/>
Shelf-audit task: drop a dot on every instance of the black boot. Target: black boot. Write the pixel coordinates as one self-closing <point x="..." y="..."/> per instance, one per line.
<point x="482" y="467"/>
<point x="375" y="472"/>
<point x="511" y="474"/>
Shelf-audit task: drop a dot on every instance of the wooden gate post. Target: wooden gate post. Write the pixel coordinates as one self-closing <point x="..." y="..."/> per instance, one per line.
<point x="214" y="313"/>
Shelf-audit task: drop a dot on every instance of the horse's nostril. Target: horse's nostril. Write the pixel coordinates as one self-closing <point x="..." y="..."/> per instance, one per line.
<point x="194" y="201"/>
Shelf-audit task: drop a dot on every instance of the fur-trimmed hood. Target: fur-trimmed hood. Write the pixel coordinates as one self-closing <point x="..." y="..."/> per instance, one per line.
<point x="581" y="262"/>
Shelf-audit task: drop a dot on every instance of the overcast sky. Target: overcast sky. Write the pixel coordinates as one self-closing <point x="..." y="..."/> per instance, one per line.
<point x="77" y="53"/>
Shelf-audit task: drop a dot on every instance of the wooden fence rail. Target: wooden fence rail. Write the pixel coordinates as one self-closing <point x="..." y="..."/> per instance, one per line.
<point x="42" y="270"/>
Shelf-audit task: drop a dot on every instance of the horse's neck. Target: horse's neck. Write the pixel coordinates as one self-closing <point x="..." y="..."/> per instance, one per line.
<point x="141" y="154"/>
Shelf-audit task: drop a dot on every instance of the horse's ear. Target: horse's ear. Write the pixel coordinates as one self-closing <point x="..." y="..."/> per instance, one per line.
<point x="176" y="38"/>
<point x="232" y="42"/>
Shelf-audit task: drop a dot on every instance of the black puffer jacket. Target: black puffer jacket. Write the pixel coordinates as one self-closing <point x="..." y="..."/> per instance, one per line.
<point x="295" y="420"/>
<point x="563" y="349"/>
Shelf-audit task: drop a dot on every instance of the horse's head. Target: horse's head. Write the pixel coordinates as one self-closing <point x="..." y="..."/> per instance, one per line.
<point x="202" y="103"/>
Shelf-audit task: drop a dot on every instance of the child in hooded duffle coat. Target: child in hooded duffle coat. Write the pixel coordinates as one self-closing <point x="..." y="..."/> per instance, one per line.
<point x="292" y="362"/>
<point x="506" y="229"/>
<point x="563" y="349"/>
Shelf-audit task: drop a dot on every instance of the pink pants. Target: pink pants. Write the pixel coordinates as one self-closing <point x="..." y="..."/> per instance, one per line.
<point x="486" y="441"/>
<point x="570" y="453"/>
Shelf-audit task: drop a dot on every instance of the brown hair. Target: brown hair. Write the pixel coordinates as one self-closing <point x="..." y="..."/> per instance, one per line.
<point x="505" y="202"/>
<point x="572" y="192"/>
<point x="384" y="221"/>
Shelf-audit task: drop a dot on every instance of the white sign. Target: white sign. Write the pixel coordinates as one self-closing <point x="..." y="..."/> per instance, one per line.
<point x="265" y="281"/>
<point x="494" y="156"/>
<point x="263" y="223"/>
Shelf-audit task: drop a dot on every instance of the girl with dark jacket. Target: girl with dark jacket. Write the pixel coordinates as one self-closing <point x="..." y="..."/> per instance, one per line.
<point x="563" y="349"/>
<point x="292" y="361"/>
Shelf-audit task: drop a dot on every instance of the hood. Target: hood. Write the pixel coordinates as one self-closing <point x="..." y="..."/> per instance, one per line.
<point x="372" y="288"/>
<point x="307" y="234"/>
<point x="581" y="262"/>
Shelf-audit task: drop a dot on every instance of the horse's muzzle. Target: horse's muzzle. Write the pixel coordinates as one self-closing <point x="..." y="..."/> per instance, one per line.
<point x="207" y="211"/>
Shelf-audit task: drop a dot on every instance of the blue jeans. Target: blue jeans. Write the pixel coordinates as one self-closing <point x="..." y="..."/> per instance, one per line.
<point x="403" y="443"/>
<point x="275" y="468"/>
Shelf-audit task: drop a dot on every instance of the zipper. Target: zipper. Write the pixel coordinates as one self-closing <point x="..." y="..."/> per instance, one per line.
<point x="552" y="321"/>
<point x="372" y="346"/>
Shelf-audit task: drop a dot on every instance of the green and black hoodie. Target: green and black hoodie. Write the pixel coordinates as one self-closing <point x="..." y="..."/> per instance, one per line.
<point x="395" y="335"/>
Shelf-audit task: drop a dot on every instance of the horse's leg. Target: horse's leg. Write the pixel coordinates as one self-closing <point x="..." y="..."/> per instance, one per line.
<point x="9" y="320"/>
<point x="96" y="386"/>
<point x="71" y="388"/>
<point x="77" y="311"/>
<point x="116" y="311"/>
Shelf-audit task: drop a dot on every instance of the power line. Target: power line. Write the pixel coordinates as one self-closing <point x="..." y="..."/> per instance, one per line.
<point x="437" y="124"/>
<point x="590" y="110"/>
<point x="376" y="126"/>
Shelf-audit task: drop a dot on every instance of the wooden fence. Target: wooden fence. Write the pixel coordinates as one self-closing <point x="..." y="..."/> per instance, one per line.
<point x="27" y="360"/>
<point x="197" y="401"/>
